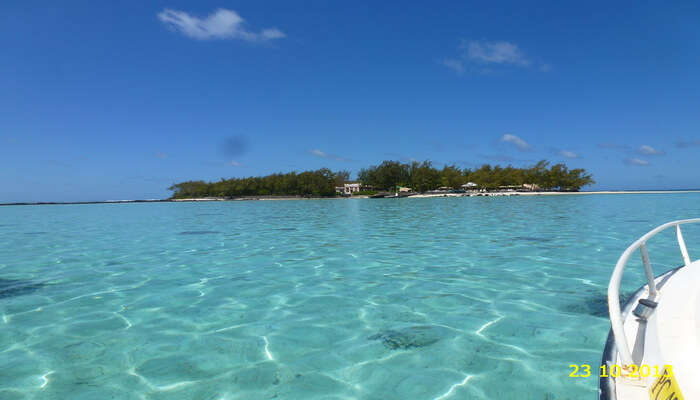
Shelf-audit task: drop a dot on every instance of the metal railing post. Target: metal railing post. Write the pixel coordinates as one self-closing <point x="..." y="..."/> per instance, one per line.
<point x="681" y="244"/>
<point x="647" y="270"/>
<point x="616" y="315"/>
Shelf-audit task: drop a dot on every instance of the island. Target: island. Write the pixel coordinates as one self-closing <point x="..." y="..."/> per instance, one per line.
<point x="391" y="176"/>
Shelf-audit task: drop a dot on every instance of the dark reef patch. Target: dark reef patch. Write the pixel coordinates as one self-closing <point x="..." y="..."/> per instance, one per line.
<point x="18" y="287"/>
<point x="198" y="232"/>
<point x="596" y="303"/>
<point x="407" y="338"/>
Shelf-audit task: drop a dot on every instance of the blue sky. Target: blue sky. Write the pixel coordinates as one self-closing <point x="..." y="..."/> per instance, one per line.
<point x="116" y="101"/>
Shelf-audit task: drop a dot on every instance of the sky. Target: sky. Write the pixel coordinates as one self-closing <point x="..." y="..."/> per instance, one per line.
<point x="118" y="100"/>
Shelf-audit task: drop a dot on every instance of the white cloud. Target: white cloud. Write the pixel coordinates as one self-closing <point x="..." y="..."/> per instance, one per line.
<point x="636" y="161"/>
<point x="648" y="150"/>
<point x="222" y="24"/>
<point x="567" y="154"/>
<point x="456" y="65"/>
<point x="322" y="154"/>
<point x="516" y="141"/>
<point x="485" y="56"/>
<point x="499" y="52"/>
<point x="234" y="163"/>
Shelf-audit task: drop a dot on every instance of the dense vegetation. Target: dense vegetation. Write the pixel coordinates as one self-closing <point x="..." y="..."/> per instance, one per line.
<point x="388" y="175"/>
<point x="423" y="176"/>
<point x="321" y="182"/>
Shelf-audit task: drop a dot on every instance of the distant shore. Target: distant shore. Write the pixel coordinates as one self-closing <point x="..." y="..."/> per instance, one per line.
<point x="414" y="196"/>
<point x="552" y="193"/>
<point x="54" y="203"/>
<point x="430" y="195"/>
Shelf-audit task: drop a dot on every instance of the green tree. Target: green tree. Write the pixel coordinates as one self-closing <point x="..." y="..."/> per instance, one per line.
<point x="385" y="176"/>
<point x="423" y="176"/>
<point x="452" y="176"/>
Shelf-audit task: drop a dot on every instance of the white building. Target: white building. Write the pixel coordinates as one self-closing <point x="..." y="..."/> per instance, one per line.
<point x="350" y="188"/>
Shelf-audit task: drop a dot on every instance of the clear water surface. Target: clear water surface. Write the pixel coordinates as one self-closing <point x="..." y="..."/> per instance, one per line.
<point x="444" y="298"/>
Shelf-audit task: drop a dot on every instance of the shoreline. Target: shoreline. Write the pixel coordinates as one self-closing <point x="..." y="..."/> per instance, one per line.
<point x="495" y="194"/>
<point x="416" y="196"/>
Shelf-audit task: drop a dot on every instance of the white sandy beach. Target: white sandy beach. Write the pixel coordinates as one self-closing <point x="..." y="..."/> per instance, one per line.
<point x="551" y="193"/>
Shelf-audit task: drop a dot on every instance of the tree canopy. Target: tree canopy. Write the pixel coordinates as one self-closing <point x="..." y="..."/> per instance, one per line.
<point x="320" y="183"/>
<point x="420" y="176"/>
<point x="423" y="176"/>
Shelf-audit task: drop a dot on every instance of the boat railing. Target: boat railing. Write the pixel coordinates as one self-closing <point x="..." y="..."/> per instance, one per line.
<point x="614" y="287"/>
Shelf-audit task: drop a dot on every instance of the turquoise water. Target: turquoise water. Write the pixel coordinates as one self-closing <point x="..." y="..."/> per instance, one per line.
<point x="444" y="298"/>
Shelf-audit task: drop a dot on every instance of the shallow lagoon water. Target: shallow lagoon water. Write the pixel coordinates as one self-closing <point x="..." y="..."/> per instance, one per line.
<point x="443" y="298"/>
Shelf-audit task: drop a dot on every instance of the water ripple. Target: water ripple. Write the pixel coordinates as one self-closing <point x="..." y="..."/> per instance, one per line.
<point x="434" y="299"/>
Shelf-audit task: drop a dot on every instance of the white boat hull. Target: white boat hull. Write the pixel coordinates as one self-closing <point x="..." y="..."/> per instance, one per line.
<point x="670" y="335"/>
